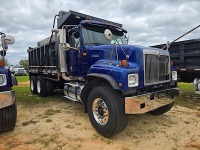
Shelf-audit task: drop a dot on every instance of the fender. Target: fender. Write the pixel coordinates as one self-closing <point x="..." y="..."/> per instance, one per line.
<point x="106" y="77"/>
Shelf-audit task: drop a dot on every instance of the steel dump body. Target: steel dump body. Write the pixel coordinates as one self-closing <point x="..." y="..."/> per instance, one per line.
<point x="74" y="18"/>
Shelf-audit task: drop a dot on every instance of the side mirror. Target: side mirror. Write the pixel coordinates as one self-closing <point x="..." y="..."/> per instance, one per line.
<point x="127" y="38"/>
<point x="54" y="30"/>
<point x="108" y="34"/>
<point x="9" y="39"/>
<point x="67" y="46"/>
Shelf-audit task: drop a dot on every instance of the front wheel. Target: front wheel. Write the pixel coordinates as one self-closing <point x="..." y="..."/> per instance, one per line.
<point x="8" y="117"/>
<point x="106" y="111"/>
<point x="162" y="109"/>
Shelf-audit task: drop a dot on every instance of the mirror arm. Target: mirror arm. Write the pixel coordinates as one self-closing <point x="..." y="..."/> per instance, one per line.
<point x="71" y="48"/>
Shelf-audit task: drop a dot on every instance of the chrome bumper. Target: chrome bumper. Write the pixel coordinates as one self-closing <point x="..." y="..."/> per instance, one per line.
<point x="147" y="102"/>
<point x="7" y="98"/>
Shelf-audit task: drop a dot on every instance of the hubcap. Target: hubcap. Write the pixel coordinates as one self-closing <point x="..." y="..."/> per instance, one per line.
<point x="100" y="111"/>
<point x="38" y="86"/>
<point x="32" y="85"/>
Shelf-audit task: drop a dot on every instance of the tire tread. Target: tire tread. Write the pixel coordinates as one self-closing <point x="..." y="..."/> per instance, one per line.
<point x="119" y="119"/>
<point x="8" y="117"/>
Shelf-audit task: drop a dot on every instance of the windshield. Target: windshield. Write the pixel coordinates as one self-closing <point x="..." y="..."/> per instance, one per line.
<point x="95" y="35"/>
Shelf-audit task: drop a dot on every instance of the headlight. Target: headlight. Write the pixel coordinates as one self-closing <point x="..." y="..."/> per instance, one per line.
<point x="132" y="80"/>
<point x="3" y="80"/>
<point x="174" y="75"/>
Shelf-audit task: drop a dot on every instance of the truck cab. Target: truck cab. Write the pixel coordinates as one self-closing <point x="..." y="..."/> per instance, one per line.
<point x="91" y="57"/>
<point x="8" y="110"/>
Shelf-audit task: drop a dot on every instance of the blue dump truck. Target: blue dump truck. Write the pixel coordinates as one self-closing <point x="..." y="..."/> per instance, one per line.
<point x="8" y="110"/>
<point x="91" y="60"/>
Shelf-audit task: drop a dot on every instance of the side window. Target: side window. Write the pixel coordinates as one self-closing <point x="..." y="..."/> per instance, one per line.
<point x="75" y="40"/>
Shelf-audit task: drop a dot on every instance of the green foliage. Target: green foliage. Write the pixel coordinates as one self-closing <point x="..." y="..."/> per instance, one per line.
<point x="24" y="63"/>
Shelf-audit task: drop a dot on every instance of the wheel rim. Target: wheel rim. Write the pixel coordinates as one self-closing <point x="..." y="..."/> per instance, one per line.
<point x="38" y="86"/>
<point x="32" y="86"/>
<point x="100" y="111"/>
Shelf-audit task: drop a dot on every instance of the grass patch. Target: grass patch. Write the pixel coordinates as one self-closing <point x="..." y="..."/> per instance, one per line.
<point x="70" y="126"/>
<point x="24" y="95"/>
<point x="187" y="97"/>
<point x="49" y="120"/>
<point x="186" y="87"/>
<point x="187" y="102"/>
<point x="50" y="112"/>
<point x="22" y="78"/>
<point x="29" y="122"/>
<point x="45" y="140"/>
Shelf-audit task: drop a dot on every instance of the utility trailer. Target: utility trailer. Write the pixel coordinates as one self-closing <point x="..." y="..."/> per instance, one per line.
<point x="185" y="56"/>
<point x="91" y="60"/>
<point x="8" y="109"/>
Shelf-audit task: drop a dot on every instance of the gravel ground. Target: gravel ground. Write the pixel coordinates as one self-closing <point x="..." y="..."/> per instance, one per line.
<point x="64" y="125"/>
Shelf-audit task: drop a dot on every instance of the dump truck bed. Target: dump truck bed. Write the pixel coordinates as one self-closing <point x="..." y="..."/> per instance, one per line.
<point x="74" y="18"/>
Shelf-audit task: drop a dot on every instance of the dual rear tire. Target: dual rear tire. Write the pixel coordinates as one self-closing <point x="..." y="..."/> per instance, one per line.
<point x="38" y="85"/>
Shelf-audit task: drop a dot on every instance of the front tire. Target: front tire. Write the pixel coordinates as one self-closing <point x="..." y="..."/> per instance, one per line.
<point x="162" y="109"/>
<point x="8" y="117"/>
<point x="41" y="86"/>
<point x="106" y="111"/>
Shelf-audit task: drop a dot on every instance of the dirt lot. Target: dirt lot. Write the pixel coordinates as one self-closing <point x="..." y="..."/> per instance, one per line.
<point x="64" y="125"/>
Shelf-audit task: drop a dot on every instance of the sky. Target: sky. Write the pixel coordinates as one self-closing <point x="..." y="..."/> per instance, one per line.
<point x="148" y="22"/>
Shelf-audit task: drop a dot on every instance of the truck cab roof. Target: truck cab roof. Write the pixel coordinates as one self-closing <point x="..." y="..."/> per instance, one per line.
<point x="105" y="24"/>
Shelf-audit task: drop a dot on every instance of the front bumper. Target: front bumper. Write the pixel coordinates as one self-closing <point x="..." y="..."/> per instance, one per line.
<point x="7" y="98"/>
<point x="147" y="102"/>
<point x="20" y="74"/>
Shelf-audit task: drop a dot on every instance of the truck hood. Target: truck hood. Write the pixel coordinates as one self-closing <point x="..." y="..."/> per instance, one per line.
<point x="134" y="52"/>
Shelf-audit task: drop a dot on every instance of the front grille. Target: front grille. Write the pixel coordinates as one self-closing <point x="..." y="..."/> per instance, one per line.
<point x="20" y="70"/>
<point x="156" y="68"/>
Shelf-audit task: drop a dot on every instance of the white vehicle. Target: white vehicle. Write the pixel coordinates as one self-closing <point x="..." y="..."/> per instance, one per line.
<point x="19" y="71"/>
